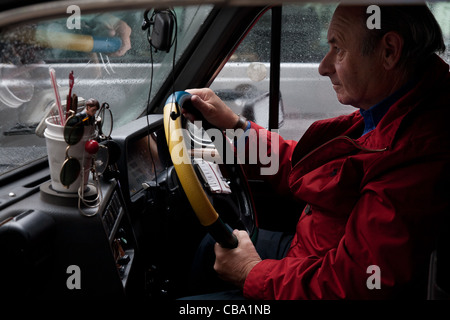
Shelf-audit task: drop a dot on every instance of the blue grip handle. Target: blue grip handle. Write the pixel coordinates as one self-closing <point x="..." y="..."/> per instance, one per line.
<point x="183" y="100"/>
<point x="179" y="97"/>
<point x="106" y="44"/>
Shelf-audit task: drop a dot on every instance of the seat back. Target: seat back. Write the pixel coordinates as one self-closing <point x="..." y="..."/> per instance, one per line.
<point x="439" y="271"/>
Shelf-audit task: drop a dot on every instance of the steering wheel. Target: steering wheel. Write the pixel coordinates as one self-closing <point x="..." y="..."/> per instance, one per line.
<point x="199" y="199"/>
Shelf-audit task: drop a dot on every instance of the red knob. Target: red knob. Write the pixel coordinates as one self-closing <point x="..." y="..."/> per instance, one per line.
<point x="91" y="146"/>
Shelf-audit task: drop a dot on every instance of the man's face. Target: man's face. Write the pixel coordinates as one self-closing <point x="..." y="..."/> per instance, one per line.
<point x="355" y="77"/>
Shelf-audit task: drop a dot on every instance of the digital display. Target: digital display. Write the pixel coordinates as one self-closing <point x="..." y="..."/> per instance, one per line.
<point x="144" y="160"/>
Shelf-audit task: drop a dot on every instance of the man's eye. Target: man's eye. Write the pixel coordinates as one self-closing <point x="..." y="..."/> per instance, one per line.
<point x="337" y="49"/>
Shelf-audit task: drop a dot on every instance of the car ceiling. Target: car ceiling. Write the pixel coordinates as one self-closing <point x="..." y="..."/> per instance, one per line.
<point x="13" y="11"/>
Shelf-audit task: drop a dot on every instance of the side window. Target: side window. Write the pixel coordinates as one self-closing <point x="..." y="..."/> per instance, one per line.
<point x="306" y="96"/>
<point x="441" y="11"/>
<point x="244" y="80"/>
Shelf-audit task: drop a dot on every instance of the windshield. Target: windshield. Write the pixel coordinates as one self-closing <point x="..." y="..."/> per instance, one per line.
<point x="108" y="54"/>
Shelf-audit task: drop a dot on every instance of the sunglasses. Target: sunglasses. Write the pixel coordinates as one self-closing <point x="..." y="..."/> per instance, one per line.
<point x="73" y="132"/>
<point x="71" y="168"/>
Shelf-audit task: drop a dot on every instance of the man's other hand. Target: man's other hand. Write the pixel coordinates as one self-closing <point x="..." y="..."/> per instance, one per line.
<point x="233" y="265"/>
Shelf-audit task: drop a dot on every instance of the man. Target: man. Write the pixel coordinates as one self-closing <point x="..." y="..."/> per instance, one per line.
<point x="375" y="181"/>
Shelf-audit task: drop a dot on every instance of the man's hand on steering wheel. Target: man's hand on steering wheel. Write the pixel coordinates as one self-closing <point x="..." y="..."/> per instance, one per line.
<point x="212" y="108"/>
<point x="216" y="114"/>
<point x="235" y="253"/>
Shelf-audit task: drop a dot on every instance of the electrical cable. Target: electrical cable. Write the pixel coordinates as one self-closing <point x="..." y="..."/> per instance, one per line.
<point x="149" y="110"/>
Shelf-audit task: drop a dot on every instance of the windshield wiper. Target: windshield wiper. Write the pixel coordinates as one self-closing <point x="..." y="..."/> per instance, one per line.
<point x="21" y="129"/>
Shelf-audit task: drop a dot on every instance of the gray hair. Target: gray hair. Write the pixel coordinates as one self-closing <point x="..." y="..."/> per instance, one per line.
<point x="421" y="32"/>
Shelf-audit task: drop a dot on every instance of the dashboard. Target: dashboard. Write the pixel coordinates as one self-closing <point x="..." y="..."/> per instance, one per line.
<point x="139" y="239"/>
<point x="54" y="250"/>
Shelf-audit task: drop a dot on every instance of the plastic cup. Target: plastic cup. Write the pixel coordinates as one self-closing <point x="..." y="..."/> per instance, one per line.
<point x="56" y="150"/>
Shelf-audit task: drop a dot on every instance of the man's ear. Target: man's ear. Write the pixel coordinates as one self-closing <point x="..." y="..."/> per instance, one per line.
<point x="392" y="44"/>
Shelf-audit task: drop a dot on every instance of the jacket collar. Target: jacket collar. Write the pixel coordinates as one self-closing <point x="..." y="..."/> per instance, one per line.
<point x="374" y="114"/>
<point x="433" y="80"/>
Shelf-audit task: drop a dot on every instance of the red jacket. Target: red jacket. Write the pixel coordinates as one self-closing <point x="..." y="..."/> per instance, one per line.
<point x="376" y="200"/>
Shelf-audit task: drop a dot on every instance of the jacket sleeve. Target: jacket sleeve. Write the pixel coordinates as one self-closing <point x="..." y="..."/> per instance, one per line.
<point x="391" y="227"/>
<point x="267" y="156"/>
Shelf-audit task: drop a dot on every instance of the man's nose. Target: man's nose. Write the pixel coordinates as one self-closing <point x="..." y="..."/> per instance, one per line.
<point x="326" y="66"/>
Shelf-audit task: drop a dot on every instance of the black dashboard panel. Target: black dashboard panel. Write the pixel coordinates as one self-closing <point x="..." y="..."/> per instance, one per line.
<point x="51" y="250"/>
<point x="47" y="242"/>
<point x="64" y="253"/>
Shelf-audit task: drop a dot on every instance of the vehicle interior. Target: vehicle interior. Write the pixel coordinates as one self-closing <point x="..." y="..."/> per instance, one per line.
<point x="119" y="221"/>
